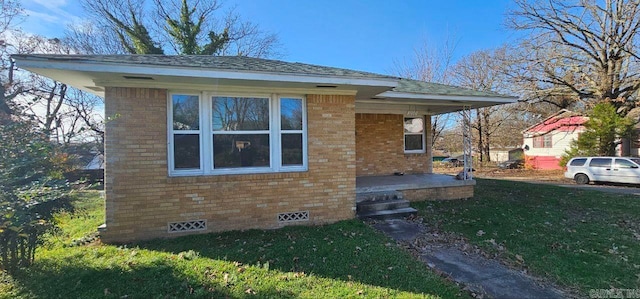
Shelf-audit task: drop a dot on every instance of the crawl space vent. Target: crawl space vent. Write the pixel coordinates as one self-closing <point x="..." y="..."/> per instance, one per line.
<point x="187" y="226"/>
<point x="293" y="216"/>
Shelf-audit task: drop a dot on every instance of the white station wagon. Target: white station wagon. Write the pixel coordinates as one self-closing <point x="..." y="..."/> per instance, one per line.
<point x="604" y="169"/>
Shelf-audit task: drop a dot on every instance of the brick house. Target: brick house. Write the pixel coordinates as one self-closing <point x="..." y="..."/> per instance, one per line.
<point x="545" y="142"/>
<point x="204" y="144"/>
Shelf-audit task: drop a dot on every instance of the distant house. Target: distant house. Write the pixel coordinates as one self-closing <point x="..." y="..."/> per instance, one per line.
<point x="545" y="142"/>
<point x="504" y="154"/>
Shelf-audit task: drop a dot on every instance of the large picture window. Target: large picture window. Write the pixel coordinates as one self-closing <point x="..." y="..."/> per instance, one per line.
<point x="240" y="132"/>
<point x="214" y="134"/>
<point x="414" y="138"/>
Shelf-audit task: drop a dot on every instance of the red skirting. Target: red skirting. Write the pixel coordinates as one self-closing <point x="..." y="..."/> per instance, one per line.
<point x="543" y="162"/>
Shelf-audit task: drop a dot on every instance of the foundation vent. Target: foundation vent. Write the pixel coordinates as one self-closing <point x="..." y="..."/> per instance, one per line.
<point x="187" y="226"/>
<point x="293" y="216"/>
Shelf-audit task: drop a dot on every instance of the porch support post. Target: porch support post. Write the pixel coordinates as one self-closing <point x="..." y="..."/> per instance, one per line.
<point x="467" y="143"/>
<point x="429" y="143"/>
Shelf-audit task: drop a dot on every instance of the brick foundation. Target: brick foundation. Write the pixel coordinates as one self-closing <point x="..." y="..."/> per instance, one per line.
<point x="438" y="193"/>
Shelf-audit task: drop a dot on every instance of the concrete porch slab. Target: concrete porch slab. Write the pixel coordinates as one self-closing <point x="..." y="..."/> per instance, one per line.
<point x="418" y="187"/>
<point x="408" y="182"/>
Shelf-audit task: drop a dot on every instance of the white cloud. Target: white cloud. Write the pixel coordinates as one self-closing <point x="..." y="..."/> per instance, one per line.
<point x="34" y="16"/>
<point x="49" y="15"/>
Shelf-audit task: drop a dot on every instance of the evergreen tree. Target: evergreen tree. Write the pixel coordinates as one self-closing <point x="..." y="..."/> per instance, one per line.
<point x="602" y="134"/>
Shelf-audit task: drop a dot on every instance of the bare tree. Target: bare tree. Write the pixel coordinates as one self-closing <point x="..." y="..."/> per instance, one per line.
<point x="485" y="71"/>
<point x="191" y="27"/>
<point x="92" y="38"/>
<point x="430" y="64"/>
<point x="10" y="88"/>
<point x="579" y="51"/>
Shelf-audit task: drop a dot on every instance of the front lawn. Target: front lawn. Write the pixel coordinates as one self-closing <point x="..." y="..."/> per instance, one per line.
<point x="347" y="259"/>
<point x="581" y="239"/>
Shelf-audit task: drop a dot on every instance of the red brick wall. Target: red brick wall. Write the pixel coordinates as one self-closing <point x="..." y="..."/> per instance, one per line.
<point x="141" y="199"/>
<point x="380" y="146"/>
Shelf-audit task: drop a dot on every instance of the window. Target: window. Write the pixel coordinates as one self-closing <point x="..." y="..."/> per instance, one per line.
<point x="578" y="162"/>
<point x="214" y="134"/>
<point x="542" y="141"/>
<point x="414" y="135"/>
<point x="600" y="162"/>
<point x="186" y="131"/>
<point x="624" y="163"/>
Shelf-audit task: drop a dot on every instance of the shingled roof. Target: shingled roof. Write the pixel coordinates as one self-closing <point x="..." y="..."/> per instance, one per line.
<point x="421" y="87"/>
<point x="374" y="92"/>
<point x="230" y="63"/>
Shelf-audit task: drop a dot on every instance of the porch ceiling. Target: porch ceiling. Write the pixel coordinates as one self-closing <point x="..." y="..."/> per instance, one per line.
<point x="433" y="105"/>
<point x="419" y="97"/>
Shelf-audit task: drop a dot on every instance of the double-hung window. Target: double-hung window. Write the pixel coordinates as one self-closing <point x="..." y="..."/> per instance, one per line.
<point x="543" y="141"/>
<point x="414" y="135"/>
<point x="222" y="134"/>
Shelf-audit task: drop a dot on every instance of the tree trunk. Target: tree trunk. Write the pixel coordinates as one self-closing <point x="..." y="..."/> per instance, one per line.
<point x="487" y="143"/>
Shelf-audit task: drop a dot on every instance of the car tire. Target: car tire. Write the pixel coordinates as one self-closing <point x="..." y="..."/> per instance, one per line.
<point x="581" y="179"/>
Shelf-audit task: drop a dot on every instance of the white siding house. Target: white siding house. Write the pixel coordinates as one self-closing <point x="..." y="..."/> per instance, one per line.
<point x="545" y="142"/>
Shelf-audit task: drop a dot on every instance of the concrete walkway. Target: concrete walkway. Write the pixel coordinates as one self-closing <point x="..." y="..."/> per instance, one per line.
<point x="477" y="273"/>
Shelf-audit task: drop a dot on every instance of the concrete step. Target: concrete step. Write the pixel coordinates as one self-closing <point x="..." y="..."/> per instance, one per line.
<point x="378" y="196"/>
<point x="388" y="214"/>
<point x="372" y="206"/>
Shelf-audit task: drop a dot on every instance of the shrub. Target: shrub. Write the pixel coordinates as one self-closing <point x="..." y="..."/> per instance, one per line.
<point x="31" y="189"/>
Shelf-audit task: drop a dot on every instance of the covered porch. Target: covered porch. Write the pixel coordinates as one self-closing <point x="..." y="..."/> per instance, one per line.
<point x="394" y="142"/>
<point x="393" y="136"/>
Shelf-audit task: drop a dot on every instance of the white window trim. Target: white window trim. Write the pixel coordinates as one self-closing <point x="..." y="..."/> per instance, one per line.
<point x="206" y="136"/>
<point x="424" y="136"/>
<point x="171" y="133"/>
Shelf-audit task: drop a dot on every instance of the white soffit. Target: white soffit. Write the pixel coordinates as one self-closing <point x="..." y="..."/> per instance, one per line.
<point x="92" y="77"/>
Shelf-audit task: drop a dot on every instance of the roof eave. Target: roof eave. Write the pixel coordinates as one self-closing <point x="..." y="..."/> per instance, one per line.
<point x="461" y="98"/>
<point x="27" y="62"/>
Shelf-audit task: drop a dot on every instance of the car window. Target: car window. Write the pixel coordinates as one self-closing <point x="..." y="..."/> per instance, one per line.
<point x="624" y="163"/>
<point x="636" y="160"/>
<point x="600" y="162"/>
<point x="578" y="162"/>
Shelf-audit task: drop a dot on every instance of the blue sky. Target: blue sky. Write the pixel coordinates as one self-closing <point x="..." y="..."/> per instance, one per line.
<point x="356" y="34"/>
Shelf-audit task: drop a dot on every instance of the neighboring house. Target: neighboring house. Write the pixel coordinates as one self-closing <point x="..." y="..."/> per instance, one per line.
<point x="204" y="144"/>
<point x="505" y="154"/>
<point x="545" y="142"/>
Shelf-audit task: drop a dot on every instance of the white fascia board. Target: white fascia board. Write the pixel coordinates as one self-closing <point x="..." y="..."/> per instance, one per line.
<point x="152" y="70"/>
<point x="407" y="95"/>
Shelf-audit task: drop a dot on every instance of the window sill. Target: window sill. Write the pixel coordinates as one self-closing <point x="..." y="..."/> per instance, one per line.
<point x="415" y="152"/>
<point x="236" y="177"/>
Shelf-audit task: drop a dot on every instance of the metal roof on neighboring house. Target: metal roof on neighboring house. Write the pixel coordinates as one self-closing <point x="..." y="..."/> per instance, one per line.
<point x="563" y="120"/>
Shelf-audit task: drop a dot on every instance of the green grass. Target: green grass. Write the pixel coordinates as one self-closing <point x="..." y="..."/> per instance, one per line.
<point x="581" y="239"/>
<point x="347" y="259"/>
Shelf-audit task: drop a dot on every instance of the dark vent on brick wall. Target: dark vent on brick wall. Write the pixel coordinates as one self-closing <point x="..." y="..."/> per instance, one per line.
<point x="187" y="226"/>
<point x="137" y="78"/>
<point x="293" y="216"/>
